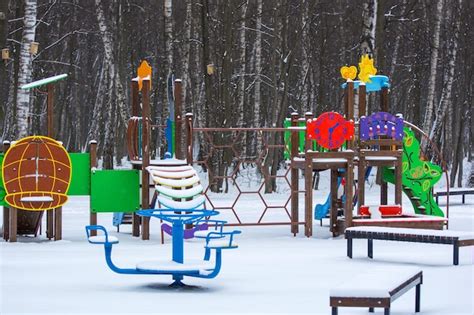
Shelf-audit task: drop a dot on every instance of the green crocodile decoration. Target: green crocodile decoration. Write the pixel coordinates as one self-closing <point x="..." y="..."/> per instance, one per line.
<point x="418" y="176"/>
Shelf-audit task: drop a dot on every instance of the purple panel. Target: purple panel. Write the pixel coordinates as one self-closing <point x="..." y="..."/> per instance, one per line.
<point x="381" y="124"/>
<point x="189" y="233"/>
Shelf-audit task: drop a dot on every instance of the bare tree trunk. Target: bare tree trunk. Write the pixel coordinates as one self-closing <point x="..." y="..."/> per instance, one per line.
<point x="369" y="20"/>
<point x="258" y="65"/>
<point x="242" y="56"/>
<point x="428" y="120"/>
<point x="3" y="67"/>
<point x="448" y="77"/>
<point x="187" y="50"/>
<point x="26" y="68"/>
<point x="168" y="10"/>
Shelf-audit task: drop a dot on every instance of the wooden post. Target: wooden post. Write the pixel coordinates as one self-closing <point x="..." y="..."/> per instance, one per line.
<point x="383" y="192"/>
<point x="384" y="99"/>
<point x="6" y="210"/>
<point x="349" y="99"/>
<point x="361" y="183"/>
<point x="135" y="98"/>
<point x="334" y="202"/>
<point x="398" y="181"/>
<point x="308" y="145"/>
<point x="145" y="156"/>
<point x="58" y="219"/>
<point x="308" y="195"/>
<point x="50" y="225"/>
<point x="348" y="207"/>
<point x="13" y="224"/>
<point x="294" y="175"/>
<point x="189" y="138"/>
<point x="50" y="105"/>
<point x="93" y="162"/>
<point x="135" y="112"/>
<point x="362" y="100"/>
<point x="178" y="118"/>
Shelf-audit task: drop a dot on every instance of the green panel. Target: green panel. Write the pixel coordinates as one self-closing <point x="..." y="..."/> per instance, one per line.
<point x="2" y="189"/>
<point x="115" y="191"/>
<point x="81" y="174"/>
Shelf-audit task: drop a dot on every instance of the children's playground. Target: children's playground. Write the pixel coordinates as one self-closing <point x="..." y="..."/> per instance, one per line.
<point x="361" y="220"/>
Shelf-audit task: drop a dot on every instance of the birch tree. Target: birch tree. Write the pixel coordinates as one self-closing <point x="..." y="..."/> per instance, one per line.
<point x="3" y="70"/>
<point x="26" y="68"/>
<point x="369" y="23"/>
<point x="258" y="65"/>
<point x="428" y="119"/>
<point x="445" y="101"/>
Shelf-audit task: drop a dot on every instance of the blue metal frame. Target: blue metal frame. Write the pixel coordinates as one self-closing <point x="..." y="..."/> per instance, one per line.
<point x="178" y="221"/>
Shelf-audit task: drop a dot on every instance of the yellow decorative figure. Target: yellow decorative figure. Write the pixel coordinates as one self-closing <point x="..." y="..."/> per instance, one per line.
<point x="143" y="72"/>
<point x="366" y="68"/>
<point x="349" y="73"/>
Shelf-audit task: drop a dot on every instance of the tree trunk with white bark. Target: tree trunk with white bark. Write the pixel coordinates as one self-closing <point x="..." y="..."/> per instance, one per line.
<point x="26" y="68"/>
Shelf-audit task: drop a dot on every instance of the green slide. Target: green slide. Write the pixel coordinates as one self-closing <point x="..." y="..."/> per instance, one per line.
<point x="418" y="176"/>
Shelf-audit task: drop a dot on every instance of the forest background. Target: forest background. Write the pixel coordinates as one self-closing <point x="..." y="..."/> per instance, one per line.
<point x="270" y="57"/>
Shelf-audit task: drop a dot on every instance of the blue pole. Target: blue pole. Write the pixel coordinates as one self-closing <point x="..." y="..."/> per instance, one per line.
<point x="178" y="241"/>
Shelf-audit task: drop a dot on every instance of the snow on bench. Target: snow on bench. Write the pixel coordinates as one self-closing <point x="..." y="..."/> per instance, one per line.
<point x="455" y="192"/>
<point x="177" y="183"/>
<point x="181" y="168"/>
<point x="455" y="238"/>
<point x="201" y="267"/>
<point x="376" y="288"/>
<point x="101" y="239"/>
<point x="173" y="175"/>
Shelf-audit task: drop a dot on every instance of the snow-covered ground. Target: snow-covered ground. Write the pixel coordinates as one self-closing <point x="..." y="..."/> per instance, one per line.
<point x="270" y="272"/>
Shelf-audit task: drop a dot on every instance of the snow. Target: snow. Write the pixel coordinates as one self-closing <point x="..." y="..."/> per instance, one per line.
<point x="168" y="174"/>
<point x="101" y="239"/>
<point x="176" y="182"/>
<point x="169" y="265"/>
<point x="462" y="235"/>
<point x="381" y="158"/>
<point x="271" y="272"/>
<point x="375" y="283"/>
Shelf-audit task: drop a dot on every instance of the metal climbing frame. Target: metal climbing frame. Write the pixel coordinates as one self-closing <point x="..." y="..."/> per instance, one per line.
<point x="225" y="161"/>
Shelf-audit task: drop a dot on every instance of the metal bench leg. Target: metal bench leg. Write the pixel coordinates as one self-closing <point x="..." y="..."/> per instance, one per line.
<point x="370" y="248"/>
<point x="371" y="309"/>
<point x="456" y="253"/>
<point x="417" y="298"/>
<point x="386" y="311"/>
<point x="349" y="247"/>
<point x="334" y="310"/>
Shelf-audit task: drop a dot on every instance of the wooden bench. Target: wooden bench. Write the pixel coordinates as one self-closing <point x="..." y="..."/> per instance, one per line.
<point x="455" y="238"/>
<point x="455" y="192"/>
<point x="377" y="288"/>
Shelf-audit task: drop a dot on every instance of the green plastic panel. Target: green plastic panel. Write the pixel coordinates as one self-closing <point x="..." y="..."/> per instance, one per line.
<point x="115" y="191"/>
<point x="2" y="189"/>
<point x="81" y="174"/>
